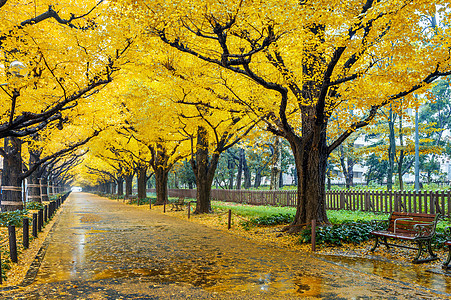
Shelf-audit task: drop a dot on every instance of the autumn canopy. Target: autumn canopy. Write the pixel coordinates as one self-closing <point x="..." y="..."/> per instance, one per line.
<point x="145" y="84"/>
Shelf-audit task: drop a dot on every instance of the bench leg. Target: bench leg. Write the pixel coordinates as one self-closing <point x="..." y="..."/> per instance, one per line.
<point x="448" y="260"/>
<point x="386" y="243"/>
<point x="432" y="255"/>
<point x="376" y="244"/>
<point x="420" y="251"/>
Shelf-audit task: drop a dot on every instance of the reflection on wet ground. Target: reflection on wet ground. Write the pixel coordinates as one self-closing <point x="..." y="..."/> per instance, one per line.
<point x="419" y="274"/>
<point x="103" y="249"/>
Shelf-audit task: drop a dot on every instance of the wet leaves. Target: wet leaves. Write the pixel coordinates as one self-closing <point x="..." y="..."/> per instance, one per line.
<point x="125" y="246"/>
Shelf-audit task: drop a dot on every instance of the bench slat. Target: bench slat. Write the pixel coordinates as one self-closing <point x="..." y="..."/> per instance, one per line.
<point x="401" y="235"/>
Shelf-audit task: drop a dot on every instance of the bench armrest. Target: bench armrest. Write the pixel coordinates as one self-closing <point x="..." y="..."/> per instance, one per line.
<point x="399" y="219"/>
<point x="447" y="230"/>
<point x="424" y="230"/>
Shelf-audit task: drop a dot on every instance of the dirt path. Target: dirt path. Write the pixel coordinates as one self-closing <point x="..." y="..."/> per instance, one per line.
<point x="103" y="249"/>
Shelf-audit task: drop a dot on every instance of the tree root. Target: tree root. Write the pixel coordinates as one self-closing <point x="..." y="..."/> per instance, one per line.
<point x="293" y="228"/>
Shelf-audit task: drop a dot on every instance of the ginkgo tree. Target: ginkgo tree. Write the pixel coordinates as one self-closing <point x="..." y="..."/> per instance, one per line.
<point x="54" y="57"/>
<point x="315" y="61"/>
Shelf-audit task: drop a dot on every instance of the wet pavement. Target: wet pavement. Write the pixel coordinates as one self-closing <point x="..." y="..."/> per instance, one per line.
<point x="104" y="249"/>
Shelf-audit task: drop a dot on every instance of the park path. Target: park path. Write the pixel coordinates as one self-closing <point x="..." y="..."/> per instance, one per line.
<point x="104" y="249"/>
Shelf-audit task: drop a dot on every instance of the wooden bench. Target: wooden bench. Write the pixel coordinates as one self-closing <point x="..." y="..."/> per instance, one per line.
<point x="447" y="243"/>
<point x="416" y="227"/>
<point x="178" y="205"/>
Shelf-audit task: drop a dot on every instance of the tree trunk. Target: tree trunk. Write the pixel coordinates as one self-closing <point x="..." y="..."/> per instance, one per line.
<point x="280" y="180"/>
<point x="142" y="180"/>
<point x="161" y="185"/>
<point x="247" y="174"/>
<point x="204" y="171"/>
<point x="239" y="174"/>
<point x="44" y="188"/>
<point x="276" y="165"/>
<point x="350" y="177"/>
<point x="33" y="186"/>
<point x="176" y="181"/>
<point x="347" y="165"/>
<point x="311" y="161"/>
<point x="120" y="186"/>
<point x="128" y="185"/>
<point x="329" y="181"/>
<point x="258" y="179"/>
<point x="391" y="150"/>
<point x="11" y="175"/>
<point x="231" y="167"/>
<point x="401" y="155"/>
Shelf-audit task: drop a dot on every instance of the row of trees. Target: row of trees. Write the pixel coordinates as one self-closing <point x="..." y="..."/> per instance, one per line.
<point x="192" y="80"/>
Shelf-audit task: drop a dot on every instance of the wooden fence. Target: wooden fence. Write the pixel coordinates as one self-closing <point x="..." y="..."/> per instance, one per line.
<point x="374" y="201"/>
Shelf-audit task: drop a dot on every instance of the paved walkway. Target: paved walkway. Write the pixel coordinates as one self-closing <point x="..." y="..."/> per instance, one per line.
<point x="103" y="249"/>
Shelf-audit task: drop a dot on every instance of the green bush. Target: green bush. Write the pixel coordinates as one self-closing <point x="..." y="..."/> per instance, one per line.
<point x="272" y="220"/>
<point x="35" y="205"/>
<point x="13" y="217"/>
<point x="339" y="233"/>
<point x="142" y="201"/>
<point x="54" y="197"/>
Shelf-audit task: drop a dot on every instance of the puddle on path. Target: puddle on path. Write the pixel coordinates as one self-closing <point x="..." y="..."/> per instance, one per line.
<point x="421" y="274"/>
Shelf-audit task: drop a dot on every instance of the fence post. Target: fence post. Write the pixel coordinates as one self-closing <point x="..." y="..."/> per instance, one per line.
<point x="189" y="209"/>
<point x="313" y="235"/>
<point x="164" y="206"/>
<point x="396" y="201"/>
<point x="1" y="279"/>
<point x="40" y="219"/>
<point x="26" y="233"/>
<point x="433" y="208"/>
<point x="229" y="224"/>
<point x="35" y="225"/>
<point x="46" y="214"/>
<point x="12" y="243"/>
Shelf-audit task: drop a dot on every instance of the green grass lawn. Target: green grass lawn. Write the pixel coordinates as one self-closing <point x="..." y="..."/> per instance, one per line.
<point x="335" y="216"/>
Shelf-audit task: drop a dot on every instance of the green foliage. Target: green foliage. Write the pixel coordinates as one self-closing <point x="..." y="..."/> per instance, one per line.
<point x="13" y="217"/>
<point x="347" y="216"/>
<point x="142" y="201"/>
<point x="339" y="233"/>
<point x="35" y="205"/>
<point x="186" y="174"/>
<point x="348" y="227"/>
<point x="55" y="197"/>
<point x="252" y="210"/>
<point x="272" y="220"/>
